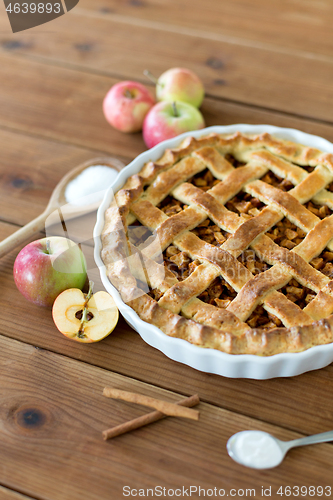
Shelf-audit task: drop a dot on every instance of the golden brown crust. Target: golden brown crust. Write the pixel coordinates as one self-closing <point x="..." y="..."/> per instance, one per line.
<point x="178" y="312"/>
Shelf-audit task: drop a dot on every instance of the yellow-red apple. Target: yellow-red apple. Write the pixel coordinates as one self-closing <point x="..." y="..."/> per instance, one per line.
<point x="180" y="84"/>
<point x="44" y="268"/>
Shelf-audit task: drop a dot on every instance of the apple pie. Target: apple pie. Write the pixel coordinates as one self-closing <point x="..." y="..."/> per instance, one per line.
<point x="227" y="242"/>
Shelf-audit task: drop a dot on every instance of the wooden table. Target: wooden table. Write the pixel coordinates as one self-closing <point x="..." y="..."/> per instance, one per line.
<point x="261" y="62"/>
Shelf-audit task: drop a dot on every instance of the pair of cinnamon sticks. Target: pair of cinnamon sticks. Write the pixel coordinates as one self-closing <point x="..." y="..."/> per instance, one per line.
<point x="163" y="409"/>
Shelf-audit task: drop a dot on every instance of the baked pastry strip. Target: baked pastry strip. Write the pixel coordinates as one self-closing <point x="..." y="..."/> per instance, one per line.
<point x="280" y="167"/>
<point x="322" y="305"/>
<point x="216" y="163"/>
<point x="197" y="282"/>
<point x="285" y="202"/>
<point x="166" y="181"/>
<point x="324" y="197"/>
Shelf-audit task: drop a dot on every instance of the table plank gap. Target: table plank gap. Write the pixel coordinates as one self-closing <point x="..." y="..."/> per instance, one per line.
<point x="6" y="493"/>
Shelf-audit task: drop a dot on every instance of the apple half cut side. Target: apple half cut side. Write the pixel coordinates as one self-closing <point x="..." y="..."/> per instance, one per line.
<point x="101" y="315"/>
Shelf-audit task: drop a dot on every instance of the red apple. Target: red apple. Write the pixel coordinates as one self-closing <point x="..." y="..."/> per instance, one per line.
<point x="180" y="84"/>
<point x="169" y="119"/>
<point x="45" y="268"/>
<point x="126" y="105"/>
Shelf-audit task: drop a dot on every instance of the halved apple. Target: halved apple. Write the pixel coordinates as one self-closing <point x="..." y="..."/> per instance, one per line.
<point x="85" y="318"/>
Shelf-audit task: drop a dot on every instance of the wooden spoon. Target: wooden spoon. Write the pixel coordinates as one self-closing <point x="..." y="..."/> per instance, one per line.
<point x="57" y="201"/>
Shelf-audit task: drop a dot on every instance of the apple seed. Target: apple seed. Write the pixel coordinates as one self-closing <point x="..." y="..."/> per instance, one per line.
<point x="84" y="318"/>
<point x="79" y="315"/>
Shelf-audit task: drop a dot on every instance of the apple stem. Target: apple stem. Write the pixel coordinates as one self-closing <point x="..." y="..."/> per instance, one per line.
<point x="90" y="291"/>
<point x="175" y="110"/>
<point x="48" y="247"/>
<point x="128" y="94"/>
<point x="151" y="77"/>
<point x="84" y="318"/>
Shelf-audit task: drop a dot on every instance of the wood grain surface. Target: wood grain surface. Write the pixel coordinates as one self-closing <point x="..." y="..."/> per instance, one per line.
<point x="278" y="24"/>
<point x="53" y="412"/>
<point x="27" y="180"/>
<point x="234" y="73"/>
<point x="261" y="62"/>
<point x="6" y="494"/>
<point x="58" y="98"/>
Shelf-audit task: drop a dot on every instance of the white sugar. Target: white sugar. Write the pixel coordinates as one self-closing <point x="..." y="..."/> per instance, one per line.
<point x="90" y="185"/>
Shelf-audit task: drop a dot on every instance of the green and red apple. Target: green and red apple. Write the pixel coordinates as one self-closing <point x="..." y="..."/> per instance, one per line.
<point x="85" y="318"/>
<point x="44" y="268"/>
<point x="126" y="105"/>
<point x="169" y="119"/>
<point x="180" y="84"/>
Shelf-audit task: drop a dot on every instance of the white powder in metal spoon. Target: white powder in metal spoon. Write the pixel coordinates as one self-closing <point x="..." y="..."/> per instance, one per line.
<point x="255" y="449"/>
<point x="90" y="185"/>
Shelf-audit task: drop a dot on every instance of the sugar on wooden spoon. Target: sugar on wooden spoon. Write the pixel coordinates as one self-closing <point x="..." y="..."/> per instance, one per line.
<point x="57" y="201"/>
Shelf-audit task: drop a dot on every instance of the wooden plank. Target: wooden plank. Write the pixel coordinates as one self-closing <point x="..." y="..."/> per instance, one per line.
<point x="284" y="402"/>
<point x="6" y="494"/>
<point x="30" y="168"/>
<point x="53" y="412"/>
<point x="293" y="83"/>
<point x="280" y="24"/>
<point x="61" y="104"/>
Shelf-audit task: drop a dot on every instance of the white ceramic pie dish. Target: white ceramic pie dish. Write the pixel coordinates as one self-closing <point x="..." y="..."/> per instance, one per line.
<point x="203" y="359"/>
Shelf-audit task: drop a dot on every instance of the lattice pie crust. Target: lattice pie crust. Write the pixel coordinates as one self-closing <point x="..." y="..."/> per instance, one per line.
<point x="246" y="230"/>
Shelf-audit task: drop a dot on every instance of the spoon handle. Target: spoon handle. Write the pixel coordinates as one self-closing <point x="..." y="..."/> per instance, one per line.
<point x="316" y="438"/>
<point x="23" y="234"/>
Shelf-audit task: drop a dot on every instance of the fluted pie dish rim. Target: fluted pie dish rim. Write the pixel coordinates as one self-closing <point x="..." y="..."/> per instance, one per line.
<point x="205" y="358"/>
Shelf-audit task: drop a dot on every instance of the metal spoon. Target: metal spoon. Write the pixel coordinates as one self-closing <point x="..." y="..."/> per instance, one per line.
<point x="57" y="200"/>
<point x="264" y="451"/>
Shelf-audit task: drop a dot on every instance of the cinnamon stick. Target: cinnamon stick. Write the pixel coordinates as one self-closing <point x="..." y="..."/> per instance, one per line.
<point x="170" y="409"/>
<point x="146" y="419"/>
